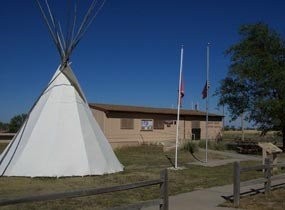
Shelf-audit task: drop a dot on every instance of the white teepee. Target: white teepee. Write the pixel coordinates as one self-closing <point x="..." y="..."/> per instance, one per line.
<point x="60" y="136"/>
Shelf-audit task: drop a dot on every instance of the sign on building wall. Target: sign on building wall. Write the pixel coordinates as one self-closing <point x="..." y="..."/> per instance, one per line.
<point x="146" y="125"/>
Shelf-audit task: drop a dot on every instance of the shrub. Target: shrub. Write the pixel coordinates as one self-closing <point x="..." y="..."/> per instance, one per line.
<point x="16" y="122"/>
<point x="219" y="146"/>
<point x="212" y="145"/>
<point x="202" y="144"/>
<point x="190" y="147"/>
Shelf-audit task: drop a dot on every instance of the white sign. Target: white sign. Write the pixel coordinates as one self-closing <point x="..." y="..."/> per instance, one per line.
<point x="146" y="125"/>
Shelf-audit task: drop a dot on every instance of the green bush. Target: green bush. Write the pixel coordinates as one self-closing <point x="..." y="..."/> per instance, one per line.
<point x="212" y="145"/>
<point x="190" y="147"/>
<point x="202" y="144"/>
<point x="219" y="146"/>
<point x="16" y="122"/>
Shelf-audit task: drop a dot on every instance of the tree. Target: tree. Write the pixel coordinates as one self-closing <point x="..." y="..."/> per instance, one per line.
<point x="4" y="127"/>
<point x="16" y="122"/>
<point x="227" y="128"/>
<point x="255" y="80"/>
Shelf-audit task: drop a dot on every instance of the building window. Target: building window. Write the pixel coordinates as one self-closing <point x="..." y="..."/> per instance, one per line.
<point x="127" y="123"/>
<point x="146" y="125"/>
<point x="168" y="123"/>
<point x="158" y="124"/>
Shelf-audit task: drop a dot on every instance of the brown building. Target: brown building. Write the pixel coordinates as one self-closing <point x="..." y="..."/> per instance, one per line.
<point x="132" y="125"/>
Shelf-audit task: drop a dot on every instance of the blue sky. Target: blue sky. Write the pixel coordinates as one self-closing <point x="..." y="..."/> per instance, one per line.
<point x="131" y="53"/>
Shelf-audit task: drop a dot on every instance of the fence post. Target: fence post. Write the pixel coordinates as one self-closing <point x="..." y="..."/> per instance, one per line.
<point x="236" y="182"/>
<point x="267" y="175"/>
<point x="164" y="190"/>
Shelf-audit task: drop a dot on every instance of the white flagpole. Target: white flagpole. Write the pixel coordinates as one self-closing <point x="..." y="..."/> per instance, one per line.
<point x="207" y="99"/>
<point x="178" y="105"/>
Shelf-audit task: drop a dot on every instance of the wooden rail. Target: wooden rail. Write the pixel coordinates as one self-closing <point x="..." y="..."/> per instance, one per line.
<point x="266" y="180"/>
<point x="162" y="182"/>
<point x="6" y="137"/>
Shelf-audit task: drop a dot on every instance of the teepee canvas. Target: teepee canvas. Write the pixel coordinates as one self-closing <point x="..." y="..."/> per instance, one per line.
<point x="60" y="136"/>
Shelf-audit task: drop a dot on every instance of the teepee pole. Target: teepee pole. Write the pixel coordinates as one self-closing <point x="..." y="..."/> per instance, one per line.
<point x="52" y="31"/>
<point x="91" y="20"/>
<point x="69" y="49"/>
<point x="88" y="19"/>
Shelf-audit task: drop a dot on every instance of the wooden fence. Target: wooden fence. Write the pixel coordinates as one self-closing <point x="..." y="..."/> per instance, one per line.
<point x="268" y="178"/>
<point x="162" y="201"/>
<point x="6" y="137"/>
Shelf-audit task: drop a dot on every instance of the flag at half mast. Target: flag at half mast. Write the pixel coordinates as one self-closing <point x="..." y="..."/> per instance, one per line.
<point x="181" y="95"/>
<point x="205" y="90"/>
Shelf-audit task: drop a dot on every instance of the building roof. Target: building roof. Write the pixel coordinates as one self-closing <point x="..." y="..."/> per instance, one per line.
<point x="148" y="110"/>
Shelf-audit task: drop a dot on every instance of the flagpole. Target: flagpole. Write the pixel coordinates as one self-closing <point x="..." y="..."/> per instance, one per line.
<point x="207" y="99"/>
<point x="178" y="105"/>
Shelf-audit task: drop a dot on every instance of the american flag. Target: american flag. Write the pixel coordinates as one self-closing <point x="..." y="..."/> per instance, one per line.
<point x="205" y="90"/>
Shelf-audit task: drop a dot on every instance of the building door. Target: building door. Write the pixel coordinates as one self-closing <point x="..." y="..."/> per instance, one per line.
<point x="196" y="130"/>
<point x="196" y="133"/>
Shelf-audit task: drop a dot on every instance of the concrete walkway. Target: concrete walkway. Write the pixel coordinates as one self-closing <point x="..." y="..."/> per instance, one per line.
<point x="230" y="158"/>
<point x="206" y="199"/>
<point x="209" y="199"/>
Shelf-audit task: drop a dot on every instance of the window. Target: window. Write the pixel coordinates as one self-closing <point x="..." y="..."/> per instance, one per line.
<point x="168" y="123"/>
<point x="127" y="123"/>
<point x="146" y="125"/>
<point x="158" y="124"/>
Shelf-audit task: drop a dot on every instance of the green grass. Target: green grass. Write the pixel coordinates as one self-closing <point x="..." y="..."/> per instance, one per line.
<point x="191" y="147"/>
<point x="274" y="201"/>
<point x="2" y="146"/>
<point x="213" y="145"/>
<point x="253" y="135"/>
<point x="141" y="163"/>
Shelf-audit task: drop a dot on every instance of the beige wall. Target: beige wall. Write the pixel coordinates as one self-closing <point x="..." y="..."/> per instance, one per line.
<point x="100" y="118"/>
<point x="214" y="128"/>
<point x="120" y="137"/>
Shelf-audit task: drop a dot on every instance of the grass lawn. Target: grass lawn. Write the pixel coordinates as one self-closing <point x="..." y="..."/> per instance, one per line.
<point x="260" y="202"/>
<point x="254" y="135"/>
<point x="275" y="201"/>
<point x="141" y="163"/>
<point x="2" y="146"/>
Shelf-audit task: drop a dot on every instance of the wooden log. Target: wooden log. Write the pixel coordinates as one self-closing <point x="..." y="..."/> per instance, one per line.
<point x="267" y="175"/>
<point x="79" y="193"/>
<point x="236" y="181"/>
<point x="164" y="190"/>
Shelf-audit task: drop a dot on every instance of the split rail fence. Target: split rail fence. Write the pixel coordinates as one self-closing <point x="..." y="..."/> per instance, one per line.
<point x="162" y="201"/>
<point x="268" y="178"/>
